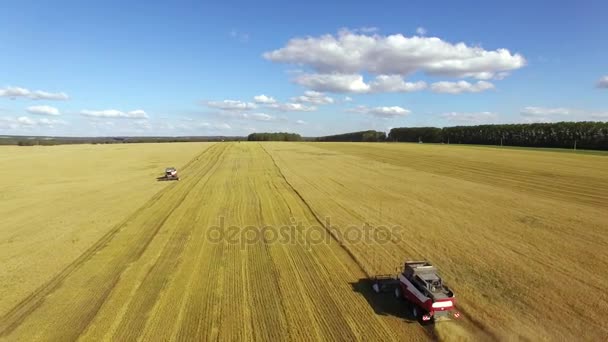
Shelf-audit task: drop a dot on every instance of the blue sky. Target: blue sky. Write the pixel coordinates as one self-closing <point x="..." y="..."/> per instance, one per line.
<point x="195" y="68"/>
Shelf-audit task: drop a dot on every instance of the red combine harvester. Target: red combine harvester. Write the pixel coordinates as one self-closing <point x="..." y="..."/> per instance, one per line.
<point x="170" y="174"/>
<point x="420" y="284"/>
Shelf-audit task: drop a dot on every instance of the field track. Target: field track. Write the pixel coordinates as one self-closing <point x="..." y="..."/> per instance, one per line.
<point x="208" y="257"/>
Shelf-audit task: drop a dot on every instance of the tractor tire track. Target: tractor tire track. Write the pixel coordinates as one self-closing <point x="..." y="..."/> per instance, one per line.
<point x="16" y="316"/>
<point x="428" y="330"/>
<point x="317" y="218"/>
<point x="166" y="264"/>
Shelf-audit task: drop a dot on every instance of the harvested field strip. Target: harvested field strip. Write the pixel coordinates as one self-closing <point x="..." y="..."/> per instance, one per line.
<point x="53" y="215"/>
<point x="161" y="276"/>
<point x="490" y="241"/>
<point x="83" y="290"/>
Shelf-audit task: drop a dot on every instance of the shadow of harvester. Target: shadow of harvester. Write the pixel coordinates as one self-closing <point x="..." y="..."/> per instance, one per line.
<point x="384" y="303"/>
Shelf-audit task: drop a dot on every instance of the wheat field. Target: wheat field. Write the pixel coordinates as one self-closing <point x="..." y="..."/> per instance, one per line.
<point x="271" y="241"/>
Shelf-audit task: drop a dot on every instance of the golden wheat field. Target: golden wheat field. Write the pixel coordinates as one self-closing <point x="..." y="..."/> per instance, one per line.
<point x="275" y="241"/>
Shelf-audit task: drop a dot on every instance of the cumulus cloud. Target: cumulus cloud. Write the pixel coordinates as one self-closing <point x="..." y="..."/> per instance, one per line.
<point x="395" y="84"/>
<point x="42" y="110"/>
<point x="292" y="107"/>
<point x="348" y="99"/>
<point x="383" y="112"/>
<point x="421" y="31"/>
<point x="461" y="87"/>
<point x="313" y="97"/>
<point x="231" y="105"/>
<point x="300" y="122"/>
<point x="113" y="113"/>
<point x="477" y="118"/>
<point x="350" y="52"/>
<point x="603" y="82"/>
<point x="15" y="92"/>
<point x="263" y="99"/>
<point x="335" y="83"/>
<point x="353" y="83"/>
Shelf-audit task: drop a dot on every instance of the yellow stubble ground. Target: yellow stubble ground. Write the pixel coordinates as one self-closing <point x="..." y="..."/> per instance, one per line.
<point x="519" y="235"/>
<point x="56" y="201"/>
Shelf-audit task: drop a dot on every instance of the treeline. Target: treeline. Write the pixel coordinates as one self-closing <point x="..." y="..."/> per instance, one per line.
<point x="50" y="141"/>
<point x="356" y="136"/>
<point x="281" y="136"/>
<point x="416" y="134"/>
<point x="584" y="135"/>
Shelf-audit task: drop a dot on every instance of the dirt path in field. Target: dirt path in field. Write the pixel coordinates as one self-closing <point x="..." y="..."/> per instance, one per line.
<point x="230" y="252"/>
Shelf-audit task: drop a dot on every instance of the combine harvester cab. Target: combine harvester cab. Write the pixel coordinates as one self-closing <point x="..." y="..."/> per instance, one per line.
<point x="171" y="174"/>
<point x="420" y="284"/>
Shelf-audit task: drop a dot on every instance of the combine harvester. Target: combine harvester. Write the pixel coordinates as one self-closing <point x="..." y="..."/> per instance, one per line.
<point x="170" y="174"/>
<point x="420" y="284"/>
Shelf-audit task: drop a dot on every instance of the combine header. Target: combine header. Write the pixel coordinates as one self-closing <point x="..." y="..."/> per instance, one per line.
<point x="420" y="284"/>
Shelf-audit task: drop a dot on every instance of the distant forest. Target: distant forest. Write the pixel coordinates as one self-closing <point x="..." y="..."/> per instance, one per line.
<point x="281" y="136"/>
<point x="49" y="141"/>
<point x="356" y="136"/>
<point x="584" y="135"/>
<point x="581" y="135"/>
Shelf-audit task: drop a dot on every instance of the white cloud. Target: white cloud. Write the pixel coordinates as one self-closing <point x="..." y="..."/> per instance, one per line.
<point x="342" y="83"/>
<point x="232" y="105"/>
<point x="113" y="113"/>
<point x="603" y="82"/>
<point x="384" y="112"/>
<point x="24" y="122"/>
<point x="395" y="84"/>
<point x="348" y="99"/>
<point x="292" y="107"/>
<point x="477" y="118"/>
<point x="461" y="87"/>
<point x="258" y="116"/>
<point x="551" y="114"/>
<point x="421" y="31"/>
<point x="314" y="97"/>
<point x="248" y="116"/>
<point x="43" y="110"/>
<point x="544" y="111"/>
<point x="349" y="52"/>
<point x="15" y="92"/>
<point x="335" y="83"/>
<point x="264" y="99"/>
<point x="300" y="122"/>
